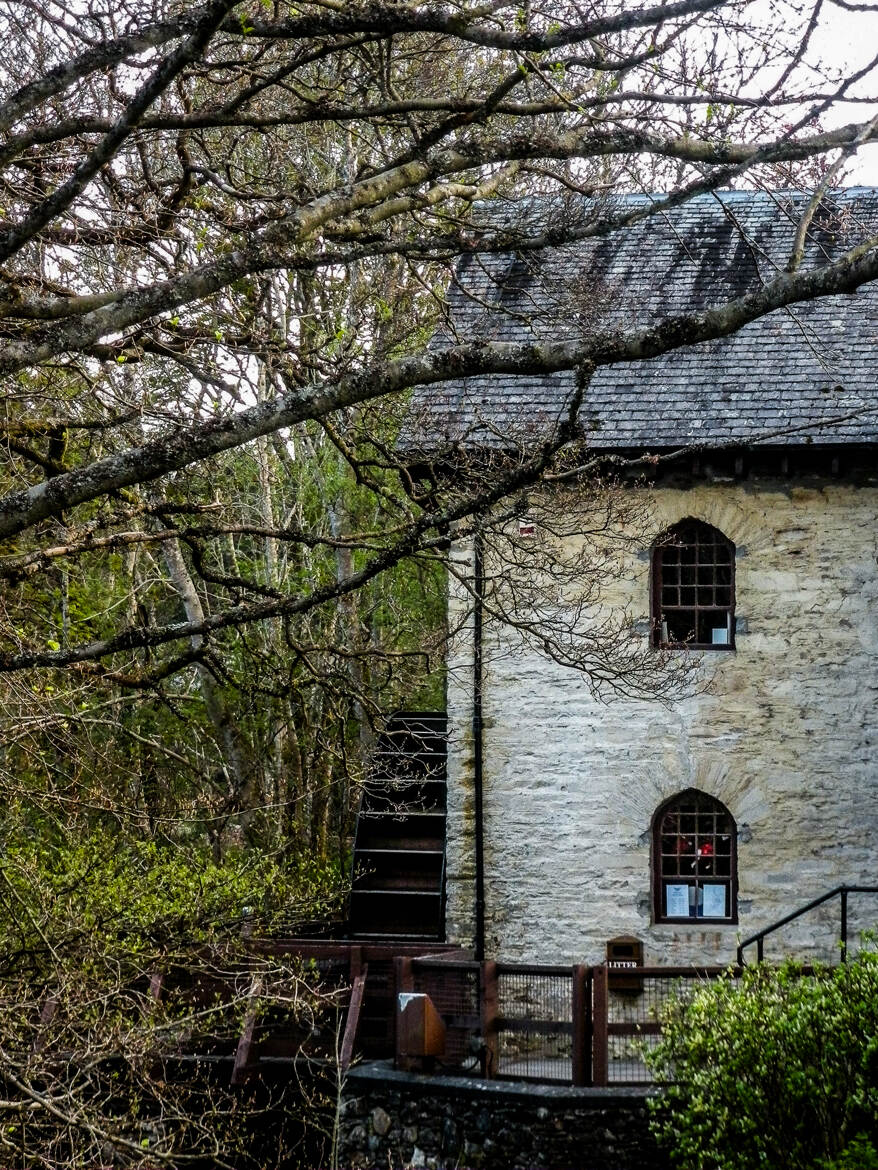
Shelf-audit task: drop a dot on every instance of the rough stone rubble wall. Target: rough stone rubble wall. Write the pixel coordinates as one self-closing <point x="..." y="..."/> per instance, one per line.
<point x="521" y="1127"/>
<point x="783" y="733"/>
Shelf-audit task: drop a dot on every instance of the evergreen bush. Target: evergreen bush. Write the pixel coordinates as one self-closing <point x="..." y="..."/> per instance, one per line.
<point x="777" y="1069"/>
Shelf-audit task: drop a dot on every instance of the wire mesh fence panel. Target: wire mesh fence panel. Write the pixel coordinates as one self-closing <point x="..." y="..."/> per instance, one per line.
<point x="375" y="1033"/>
<point x="634" y="1018"/>
<point x="454" y="990"/>
<point x="644" y="1002"/>
<point x="535" y="1024"/>
<point x="626" y="1063"/>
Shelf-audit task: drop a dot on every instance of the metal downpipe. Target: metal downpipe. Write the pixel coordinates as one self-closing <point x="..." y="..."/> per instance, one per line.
<point x="478" y="737"/>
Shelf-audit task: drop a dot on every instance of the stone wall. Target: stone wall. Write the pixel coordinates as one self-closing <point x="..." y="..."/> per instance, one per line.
<point x="390" y="1120"/>
<point x="782" y="731"/>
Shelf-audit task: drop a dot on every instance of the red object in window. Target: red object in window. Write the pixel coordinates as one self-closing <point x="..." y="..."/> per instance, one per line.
<point x="694" y="848"/>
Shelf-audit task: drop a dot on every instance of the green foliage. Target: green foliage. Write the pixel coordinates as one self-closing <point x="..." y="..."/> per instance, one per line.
<point x="779" y="1071"/>
<point x="858" y="1154"/>
<point x="118" y="954"/>
<point x="101" y="899"/>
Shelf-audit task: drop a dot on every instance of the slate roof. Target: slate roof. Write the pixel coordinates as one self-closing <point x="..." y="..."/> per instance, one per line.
<point x="812" y="368"/>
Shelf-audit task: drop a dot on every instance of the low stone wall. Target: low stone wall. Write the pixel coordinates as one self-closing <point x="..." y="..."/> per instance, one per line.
<point x="391" y="1120"/>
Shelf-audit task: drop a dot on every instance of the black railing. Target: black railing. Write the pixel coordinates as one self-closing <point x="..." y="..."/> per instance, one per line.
<point x="840" y="892"/>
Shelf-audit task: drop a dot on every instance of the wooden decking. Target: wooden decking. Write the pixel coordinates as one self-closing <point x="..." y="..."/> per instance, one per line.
<point x="575" y="1025"/>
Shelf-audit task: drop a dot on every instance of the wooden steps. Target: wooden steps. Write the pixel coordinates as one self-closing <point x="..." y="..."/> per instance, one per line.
<point x="398" y="880"/>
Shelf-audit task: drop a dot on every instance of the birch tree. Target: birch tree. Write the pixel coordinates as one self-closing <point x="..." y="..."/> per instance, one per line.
<point x="226" y="233"/>
<point x="186" y="191"/>
<point x="227" y="230"/>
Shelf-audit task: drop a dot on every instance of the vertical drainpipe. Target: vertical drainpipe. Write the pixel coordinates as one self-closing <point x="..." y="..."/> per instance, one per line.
<point x="478" y="739"/>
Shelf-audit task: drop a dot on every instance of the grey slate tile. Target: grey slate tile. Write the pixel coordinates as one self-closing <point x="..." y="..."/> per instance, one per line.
<point x="802" y="367"/>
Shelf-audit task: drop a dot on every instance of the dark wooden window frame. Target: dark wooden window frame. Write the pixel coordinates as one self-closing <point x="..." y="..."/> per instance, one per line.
<point x="704" y="809"/>
<point x="688" y="565"/>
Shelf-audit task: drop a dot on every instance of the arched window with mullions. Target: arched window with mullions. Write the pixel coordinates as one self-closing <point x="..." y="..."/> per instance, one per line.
<point x="694" y="853"/>
<point x="693" y="587"/>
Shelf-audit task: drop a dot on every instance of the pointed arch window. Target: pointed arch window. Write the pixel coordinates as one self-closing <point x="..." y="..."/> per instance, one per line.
<point x="694" y="860"/>
<point x="693" y="587"/>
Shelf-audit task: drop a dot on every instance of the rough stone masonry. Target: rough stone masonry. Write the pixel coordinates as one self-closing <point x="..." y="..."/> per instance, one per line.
<point x="391" y="1119"/>
<point x="782" y="731"/>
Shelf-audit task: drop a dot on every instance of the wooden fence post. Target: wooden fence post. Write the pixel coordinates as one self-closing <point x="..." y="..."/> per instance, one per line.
<point x="352" y="1022"/>
<point x="245" y="1056"/>
<point x="581" y="1057"/>
<point x="488" y="1012"/>
<point x="600" y="1011"/>
<point x="50" y="1007"/>
<point x="403" y="981"/>
<point x="156" y="981"/>
<point x="355" y="963"/>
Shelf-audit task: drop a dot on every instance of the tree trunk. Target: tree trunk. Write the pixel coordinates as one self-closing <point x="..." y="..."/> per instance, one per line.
<point x="235" y="756"/>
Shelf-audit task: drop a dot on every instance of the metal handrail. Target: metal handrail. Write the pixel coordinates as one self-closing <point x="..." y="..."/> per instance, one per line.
<point x="838" y="891"/>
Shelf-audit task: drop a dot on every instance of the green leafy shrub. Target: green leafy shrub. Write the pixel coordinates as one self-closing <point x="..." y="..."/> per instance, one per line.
<point x="117" y="955"/>
<point x="777" y="1070"/>
<point x="106" y="900"/>
<point x="858" y="1154"/>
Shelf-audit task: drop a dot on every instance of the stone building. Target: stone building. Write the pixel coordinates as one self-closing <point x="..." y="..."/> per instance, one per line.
<point x="690" y="821"/>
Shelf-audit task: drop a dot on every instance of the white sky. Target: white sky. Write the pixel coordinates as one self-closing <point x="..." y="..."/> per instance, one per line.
<point x="848" y="41"/>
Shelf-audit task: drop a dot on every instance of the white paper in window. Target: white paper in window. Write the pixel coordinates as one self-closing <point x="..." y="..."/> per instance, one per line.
<point x="677" y="901"/>
<point x="713" y="901"/>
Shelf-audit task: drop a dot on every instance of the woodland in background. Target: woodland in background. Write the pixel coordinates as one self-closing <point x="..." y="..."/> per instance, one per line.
<point x="160" y="811"/>
<point x="226" y="234"/>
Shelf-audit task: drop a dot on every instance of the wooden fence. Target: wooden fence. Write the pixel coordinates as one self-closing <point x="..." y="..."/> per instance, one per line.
<point x="573" y="1025"/>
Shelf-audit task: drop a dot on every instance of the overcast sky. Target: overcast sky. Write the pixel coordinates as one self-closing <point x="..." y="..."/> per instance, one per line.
<point x="848" y="41"/>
